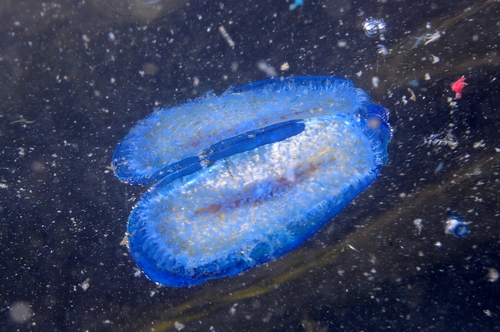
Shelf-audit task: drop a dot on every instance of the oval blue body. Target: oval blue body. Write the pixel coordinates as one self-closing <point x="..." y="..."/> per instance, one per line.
<point x="247" y="176"/>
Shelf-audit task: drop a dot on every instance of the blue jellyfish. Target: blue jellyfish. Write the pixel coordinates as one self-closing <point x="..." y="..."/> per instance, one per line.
<point x="245" y="177"/>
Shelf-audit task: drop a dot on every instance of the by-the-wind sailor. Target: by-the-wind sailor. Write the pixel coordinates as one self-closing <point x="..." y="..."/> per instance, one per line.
<point x="247" y="176"/>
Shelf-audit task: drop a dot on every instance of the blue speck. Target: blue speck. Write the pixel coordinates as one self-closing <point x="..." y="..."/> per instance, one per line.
<point x="439" y="167"/>
<point x="456" y="225"/>
<point x="414" y="84"/>
<point x="297" y="3"/>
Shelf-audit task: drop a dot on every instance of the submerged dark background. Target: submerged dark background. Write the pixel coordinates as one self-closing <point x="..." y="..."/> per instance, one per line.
<point x="77" y="75"/>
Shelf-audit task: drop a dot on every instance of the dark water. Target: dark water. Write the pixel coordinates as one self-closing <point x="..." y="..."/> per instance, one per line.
<point x="77" y="75"/>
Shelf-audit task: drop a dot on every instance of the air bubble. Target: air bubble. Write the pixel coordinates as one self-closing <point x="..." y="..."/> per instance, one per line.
<point x="373" y="26"/>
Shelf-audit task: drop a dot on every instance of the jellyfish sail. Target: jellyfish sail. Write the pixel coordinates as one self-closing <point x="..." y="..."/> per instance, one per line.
<point x="248" y="176"/>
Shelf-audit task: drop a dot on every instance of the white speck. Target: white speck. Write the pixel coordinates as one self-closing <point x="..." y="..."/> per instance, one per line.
<point x="226" y="36"/>
<point x="85" y="284"/>
<point x="435" y="59"/>
<point x="418" y="224"/>
<point x="196" y="81"/>
<point x="488" y="313"/>
<point x="479" y="144"/>
<point x="111" y="36"/>
<point x="452" y="103"/>
<point x="427" y="77"/>
<point x="351" y="247"/>
<point x="375" y="81"/>
<point x="412" y="97"/>
<point x="266" y="68"/>
<point x="179" y="326"/>
<point x="438" y="244"/>
<point x="86" y="38"/>
<point x="432" y="37"/>
<point x="232" y="310"/>
<point x="359" y="73"/>
<point x="285" y="66"/>
<point x="341" y="43"/>
<point x="442" y="139"/>
<point x="492" y="275"/>
<point x="382" y="50"/>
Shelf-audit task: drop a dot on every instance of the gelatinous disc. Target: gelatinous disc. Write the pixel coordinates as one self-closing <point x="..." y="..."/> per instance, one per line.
<point x="248" y="176"/>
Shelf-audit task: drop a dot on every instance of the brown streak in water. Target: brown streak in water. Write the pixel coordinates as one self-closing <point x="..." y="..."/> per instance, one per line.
<point x="215" y="207"/>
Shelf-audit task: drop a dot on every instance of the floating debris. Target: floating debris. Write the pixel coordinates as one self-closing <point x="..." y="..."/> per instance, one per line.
<point x="413" y="96"/>
<point x="22" y="120"/>
<point x="285" y="66"/>
<point x="266" y="68"/>
<point x="439" y="167"/>
<point x="419" y="225"/>
<point x="179" y="326"/>
<point x="458" y="86"/>
<point x="429" y="38"/>
<point x="85" y="284"/>
<point x="492" y="275"/>
<point x="226" y="36"/>
<point x="442" y="139"/>
<point x="381" y="49"/>
<point x="297" y="3"/>
<point x="455" y="225"/>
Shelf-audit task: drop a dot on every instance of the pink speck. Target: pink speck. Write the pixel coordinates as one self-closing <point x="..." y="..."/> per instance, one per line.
<point x="458" y="86"/>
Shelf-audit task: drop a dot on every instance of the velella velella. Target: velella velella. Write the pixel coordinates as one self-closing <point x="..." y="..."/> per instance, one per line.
<point x="245" y="177"/>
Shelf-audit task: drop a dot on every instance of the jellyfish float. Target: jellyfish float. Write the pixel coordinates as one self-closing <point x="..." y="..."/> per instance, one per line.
<point x="246" y="177"/>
